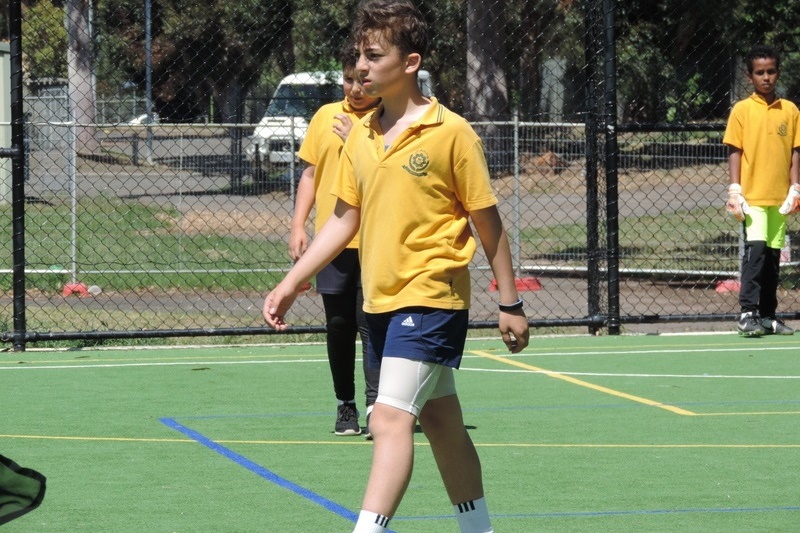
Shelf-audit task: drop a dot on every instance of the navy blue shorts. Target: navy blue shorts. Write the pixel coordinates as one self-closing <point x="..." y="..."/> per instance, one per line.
<point x="418" y="333"/>
<point x="341" y="275"/>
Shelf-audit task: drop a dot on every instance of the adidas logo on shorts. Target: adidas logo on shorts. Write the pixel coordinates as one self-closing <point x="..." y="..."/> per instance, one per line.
<point x="408" y="322"/>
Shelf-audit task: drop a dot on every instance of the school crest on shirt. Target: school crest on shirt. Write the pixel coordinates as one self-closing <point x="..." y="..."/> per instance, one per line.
<point x="417" y="164"/>
<point x="783" y="130"/>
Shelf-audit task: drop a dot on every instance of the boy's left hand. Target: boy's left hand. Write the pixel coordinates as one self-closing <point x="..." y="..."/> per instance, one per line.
<point x="792" y="201"/>
<point x="514" y="330"/>
<point x="343" y="127"/>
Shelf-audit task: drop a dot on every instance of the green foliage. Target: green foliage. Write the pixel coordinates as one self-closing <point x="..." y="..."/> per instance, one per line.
<point x="684" y="102"/>
<point x="674" y="57"/>
<point x="4" y="20"/>
<point x="319" y="30"/>
<point x="44" y="41"/>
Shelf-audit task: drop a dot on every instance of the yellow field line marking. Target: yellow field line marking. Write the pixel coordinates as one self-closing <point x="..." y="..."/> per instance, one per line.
<point x="581" y="383"/>
<point x="751" y="413"/>
<point x="360" y="442"/>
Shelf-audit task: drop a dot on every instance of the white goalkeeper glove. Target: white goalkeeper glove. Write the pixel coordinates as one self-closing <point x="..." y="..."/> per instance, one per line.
<point x="736" y="205"/>
<point x="792" y="200"/>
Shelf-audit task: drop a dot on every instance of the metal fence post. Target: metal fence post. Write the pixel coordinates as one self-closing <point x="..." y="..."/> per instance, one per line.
<point x="592" y="183"/>
<point x="17" y="175"/>
<point x="612" y="190"/>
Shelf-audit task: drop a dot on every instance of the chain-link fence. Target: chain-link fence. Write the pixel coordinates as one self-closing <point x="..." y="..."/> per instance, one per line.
<point x="154" y="157"/>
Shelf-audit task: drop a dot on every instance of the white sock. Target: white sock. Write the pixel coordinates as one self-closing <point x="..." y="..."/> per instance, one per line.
<point x="369" y="522"/>
<point x="473" y="516"/>
<point x="370" y="408"/>
<point x="341" y="402"/>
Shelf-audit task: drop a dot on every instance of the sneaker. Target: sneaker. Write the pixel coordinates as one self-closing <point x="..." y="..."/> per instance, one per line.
<point x="775" y="326"/>
<point x="750" y="325"/>
<point x="367" y="434"/>
<point x="347" y="420"/>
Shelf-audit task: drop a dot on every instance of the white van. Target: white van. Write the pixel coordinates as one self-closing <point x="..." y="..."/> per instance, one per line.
<point x="277" y="137"/>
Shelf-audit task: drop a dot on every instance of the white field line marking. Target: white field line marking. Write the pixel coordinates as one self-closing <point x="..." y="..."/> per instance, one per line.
<point x="32" y="365"/>
<point x="86" y="365"/>
<point x="616" y="351"/>
<point x="620" y="375"/>
<point x="593" y="386"/>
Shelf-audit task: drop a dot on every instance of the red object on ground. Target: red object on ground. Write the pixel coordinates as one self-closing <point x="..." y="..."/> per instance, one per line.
<point x="528" y="283"/>
<point x="75" y="288"/>
<point x="728" y="285"/>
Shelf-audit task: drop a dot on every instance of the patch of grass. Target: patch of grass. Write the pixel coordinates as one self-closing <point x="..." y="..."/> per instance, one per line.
<point x="686" y="240"/>
<point x="133" y="246"/>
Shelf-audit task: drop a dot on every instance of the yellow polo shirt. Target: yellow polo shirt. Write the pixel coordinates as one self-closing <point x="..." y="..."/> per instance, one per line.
<point x="415" y="197"/>
<point x="766" y="136"/>
<point x="322" y="148"/>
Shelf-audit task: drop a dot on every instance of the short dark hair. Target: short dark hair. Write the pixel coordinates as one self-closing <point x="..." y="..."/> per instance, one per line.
<point x="761" y="51"/>
<point x="348" y="55"/>
<point x="400" y="22"/>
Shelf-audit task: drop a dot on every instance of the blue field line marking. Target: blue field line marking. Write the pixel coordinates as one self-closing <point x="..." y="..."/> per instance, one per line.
<point x="294" y="414"/>
<point x="261" y="471"/>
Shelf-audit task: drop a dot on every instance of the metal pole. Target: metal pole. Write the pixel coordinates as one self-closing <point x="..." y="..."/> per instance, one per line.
<point x="592" y="187"/>
<point x="612" y="190"/>
<point x="73" y="189"/>
<point x="515" y="238"/>
<point x="292" y="165"/>
<point x="17" y="175"/>
<point x="148" y="68"/>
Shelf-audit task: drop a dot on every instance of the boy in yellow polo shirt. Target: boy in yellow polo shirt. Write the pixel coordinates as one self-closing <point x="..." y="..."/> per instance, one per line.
<point x="763" y="135"/>
<point x="411" y="178"/>
<point x="339" y="282"/>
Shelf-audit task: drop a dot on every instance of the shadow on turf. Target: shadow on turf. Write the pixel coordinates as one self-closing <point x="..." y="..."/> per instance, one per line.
<point x="418" y="428"/>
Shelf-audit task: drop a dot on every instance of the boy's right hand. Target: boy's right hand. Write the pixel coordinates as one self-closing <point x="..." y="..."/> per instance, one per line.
<point x="736" y="204"/>
<point x="277" y="304"/>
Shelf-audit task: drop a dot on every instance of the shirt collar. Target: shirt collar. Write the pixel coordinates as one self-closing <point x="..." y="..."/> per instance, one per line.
<point x="349" y="109"/>
<point x="433" y="115"/>
<point x="760" y="99"/>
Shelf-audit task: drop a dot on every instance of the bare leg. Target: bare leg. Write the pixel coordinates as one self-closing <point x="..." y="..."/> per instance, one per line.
<point x="455" y="454"/>
<point x="392" y="458"/>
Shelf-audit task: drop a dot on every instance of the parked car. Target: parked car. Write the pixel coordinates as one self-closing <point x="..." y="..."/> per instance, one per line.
<point x="278" y="136"/>
<point x="143" y="119"/>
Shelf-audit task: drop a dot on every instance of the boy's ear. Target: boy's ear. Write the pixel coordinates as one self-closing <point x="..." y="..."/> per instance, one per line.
<point x="413" y="62"/>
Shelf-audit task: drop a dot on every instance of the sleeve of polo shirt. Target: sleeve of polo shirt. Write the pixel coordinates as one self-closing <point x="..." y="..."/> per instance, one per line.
<point x="735" y="128"/>
<point x="344" y="186"/>
<point x="796" y="141"/>
<point x="472" y="184"/>
<point x="309" y="151"/>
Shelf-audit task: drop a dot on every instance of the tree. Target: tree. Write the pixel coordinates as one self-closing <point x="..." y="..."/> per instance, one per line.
<point x="487" y="89"/>
<point x="4" y="20"/>
<point x="201" y="50"/>
<point x="80" y="71"/>
<point x="44" y="41"/>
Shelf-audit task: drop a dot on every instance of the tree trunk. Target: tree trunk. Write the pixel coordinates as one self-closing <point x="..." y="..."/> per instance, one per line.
<point x="487" y="91"/>
<point x="80" y="72"/>
<point x="230" y="98"/>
